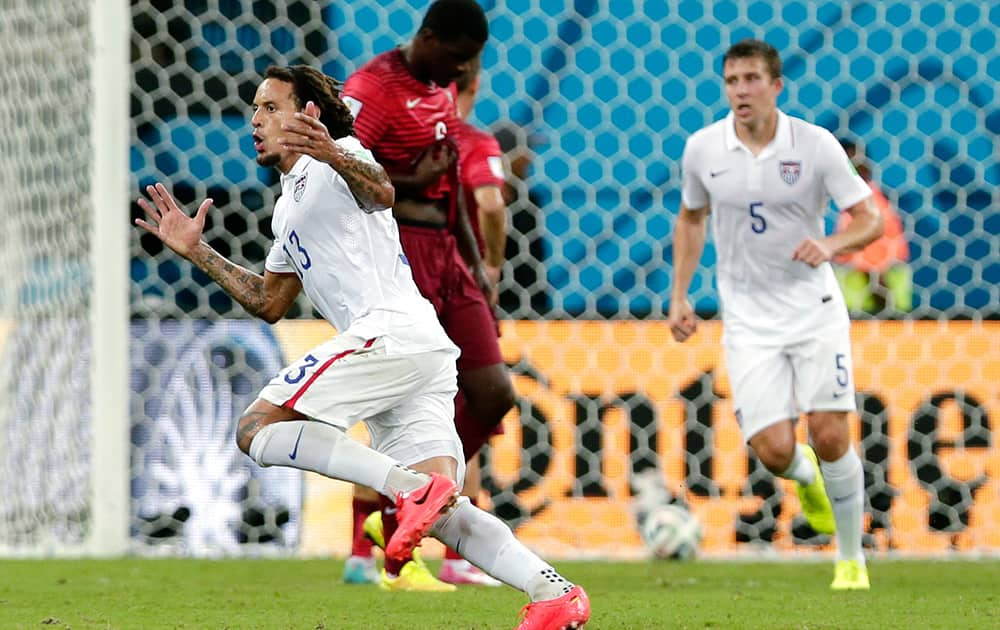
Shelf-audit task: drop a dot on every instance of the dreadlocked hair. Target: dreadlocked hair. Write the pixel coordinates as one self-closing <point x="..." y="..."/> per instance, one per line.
<point x="312" y="85"/>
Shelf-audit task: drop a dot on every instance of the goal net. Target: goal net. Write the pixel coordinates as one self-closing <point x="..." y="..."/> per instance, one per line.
<point x="592" y="102"/>
<point x="63" y="474"/>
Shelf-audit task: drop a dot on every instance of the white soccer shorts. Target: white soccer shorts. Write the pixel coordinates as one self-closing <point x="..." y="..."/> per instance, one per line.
<point x="406" y="400"/>
<point x="771" y="383"/>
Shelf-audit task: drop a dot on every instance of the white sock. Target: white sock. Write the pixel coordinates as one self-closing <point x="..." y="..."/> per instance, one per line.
<point x="323" y="448"/>
<point x="486" y="542"/>
<point x="801" y="469"/>
<point x="845" y="485"/>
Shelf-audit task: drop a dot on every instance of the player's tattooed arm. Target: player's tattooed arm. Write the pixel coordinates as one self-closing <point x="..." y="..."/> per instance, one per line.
<point x="245" y="286"/>
<point x="268" y="297"/>
<point x="368" y="181"/>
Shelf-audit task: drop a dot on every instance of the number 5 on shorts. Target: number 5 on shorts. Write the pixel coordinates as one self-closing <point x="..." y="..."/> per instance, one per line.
<point x="843" y="378"/>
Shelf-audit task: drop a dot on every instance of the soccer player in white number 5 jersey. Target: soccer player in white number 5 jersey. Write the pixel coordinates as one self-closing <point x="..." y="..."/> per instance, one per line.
<point x="766" y="179"/>
<point x="391" y="365"/>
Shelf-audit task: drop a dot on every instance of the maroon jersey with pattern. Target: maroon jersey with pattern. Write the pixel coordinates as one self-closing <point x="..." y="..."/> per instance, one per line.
<point x="398" y="117"/>
<point x="480" y="163"/>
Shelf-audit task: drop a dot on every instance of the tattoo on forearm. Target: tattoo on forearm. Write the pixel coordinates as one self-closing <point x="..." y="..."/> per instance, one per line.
<point x="245" y="286"/>
<point x="365" y="179"/>
<point x="248" y="427"/>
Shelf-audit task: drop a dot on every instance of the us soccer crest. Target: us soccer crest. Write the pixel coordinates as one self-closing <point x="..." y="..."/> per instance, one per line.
<point x="790" y="171"/>
<point x="300" y="187"/>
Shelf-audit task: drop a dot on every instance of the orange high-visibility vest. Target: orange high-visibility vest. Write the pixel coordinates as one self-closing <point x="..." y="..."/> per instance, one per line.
<point x="891" y="248"/>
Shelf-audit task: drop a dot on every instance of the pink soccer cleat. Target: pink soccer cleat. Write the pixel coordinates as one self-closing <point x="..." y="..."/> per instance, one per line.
<point x="572" y="610"/>
<point x="417" y="511"/>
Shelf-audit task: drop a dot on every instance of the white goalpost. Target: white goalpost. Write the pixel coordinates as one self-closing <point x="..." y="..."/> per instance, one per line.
<point x="110" y="469"/>
<point x="64" y="427"/>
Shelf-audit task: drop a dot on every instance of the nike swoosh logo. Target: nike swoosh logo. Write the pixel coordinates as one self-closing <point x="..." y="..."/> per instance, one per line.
<point x="295" y="451"/>
<point x="421" y="500"/>
<point x="838" y="394"/>
<point x="717" y="173"/>
<point x="412" y="102"/>
<point x="842" y="499"/>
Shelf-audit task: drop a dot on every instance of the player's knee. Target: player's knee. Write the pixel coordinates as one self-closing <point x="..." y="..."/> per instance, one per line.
<point x="774" y="446"/>
<point x="775" y="457"/>
<point x="830" y="434"/>
<point x="777" y="462"/>
<point x="241" y="442"/>
<point x="247" y="428"/>
<point x="830" y="445"/>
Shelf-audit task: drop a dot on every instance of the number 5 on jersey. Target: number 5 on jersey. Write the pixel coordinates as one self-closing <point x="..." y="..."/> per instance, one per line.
<point x="757" y="221"/>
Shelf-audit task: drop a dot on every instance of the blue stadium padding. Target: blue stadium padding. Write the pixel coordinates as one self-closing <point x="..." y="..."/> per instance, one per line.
<point x="614" y="89"/>
<point x="197" y="150"/>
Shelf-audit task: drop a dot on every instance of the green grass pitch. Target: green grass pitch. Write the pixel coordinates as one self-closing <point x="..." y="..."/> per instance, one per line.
<point x="307" y="594"/>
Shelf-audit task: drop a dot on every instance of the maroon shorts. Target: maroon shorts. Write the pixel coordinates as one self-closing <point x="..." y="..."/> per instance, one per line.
<point x="444" y="279"/>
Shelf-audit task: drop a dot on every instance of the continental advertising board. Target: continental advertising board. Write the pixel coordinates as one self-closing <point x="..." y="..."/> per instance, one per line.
<point x="600" y="400"/>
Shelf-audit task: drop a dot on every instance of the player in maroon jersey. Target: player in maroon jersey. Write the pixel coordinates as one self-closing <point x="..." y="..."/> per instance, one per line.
<point x="481" y="177"/>
<point x="404" y="110"/>
<point x="405" y="113"/>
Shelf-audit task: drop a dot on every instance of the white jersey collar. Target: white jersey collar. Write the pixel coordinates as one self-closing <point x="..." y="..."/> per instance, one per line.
<point x="296" y="170"/>
<point x="783" y="137"/>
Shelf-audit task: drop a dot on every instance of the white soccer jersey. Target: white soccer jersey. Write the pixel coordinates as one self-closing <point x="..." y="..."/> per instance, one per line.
<point x="762" y="207"/>
<point x="349" y="259"/>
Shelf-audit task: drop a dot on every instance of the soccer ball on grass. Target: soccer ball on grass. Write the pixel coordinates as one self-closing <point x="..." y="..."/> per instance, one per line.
<point x="670" y="532"/>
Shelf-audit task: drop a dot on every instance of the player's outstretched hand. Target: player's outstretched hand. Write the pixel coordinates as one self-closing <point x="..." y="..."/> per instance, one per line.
<point x="812" y="252"/>
<point x="169" y="223"/>
<point x="306" y="134"/>
<point x="682" y="320"/>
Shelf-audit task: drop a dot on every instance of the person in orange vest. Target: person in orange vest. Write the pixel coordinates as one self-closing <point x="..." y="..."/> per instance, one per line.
<point x="876" y="280"/>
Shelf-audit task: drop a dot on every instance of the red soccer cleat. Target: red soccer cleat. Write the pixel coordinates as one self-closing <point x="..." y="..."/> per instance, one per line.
<point x="417" y="511"/>
<point x="572" y="610"/>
